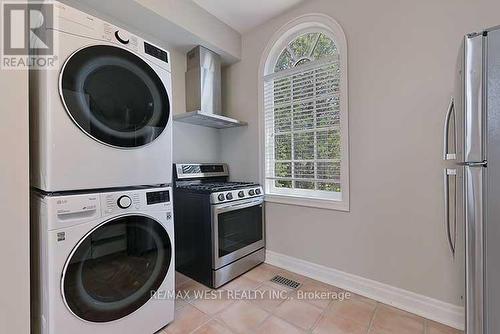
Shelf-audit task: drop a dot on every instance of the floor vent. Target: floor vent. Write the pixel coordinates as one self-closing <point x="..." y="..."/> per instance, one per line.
<point x="285" y="282"/>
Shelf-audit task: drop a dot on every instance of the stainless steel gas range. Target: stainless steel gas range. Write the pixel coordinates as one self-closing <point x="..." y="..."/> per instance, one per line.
<point x="219" y="226"/>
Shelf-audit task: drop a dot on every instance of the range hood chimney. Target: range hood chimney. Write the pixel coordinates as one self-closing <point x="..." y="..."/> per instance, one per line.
<point x="203" y="91"/>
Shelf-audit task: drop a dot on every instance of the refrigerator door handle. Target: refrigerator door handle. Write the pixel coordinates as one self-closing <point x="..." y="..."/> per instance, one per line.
<point x="451" y="239"/>
<point x="473" y="119"/>
<point x="451" y="110"/>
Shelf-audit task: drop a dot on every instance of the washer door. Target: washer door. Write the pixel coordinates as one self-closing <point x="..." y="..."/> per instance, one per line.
<point x="116" y="268"/>
<point x="114" y="96"/>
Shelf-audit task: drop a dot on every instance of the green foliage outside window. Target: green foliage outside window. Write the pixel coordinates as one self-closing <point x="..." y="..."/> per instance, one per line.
<point x="306" y="119"/>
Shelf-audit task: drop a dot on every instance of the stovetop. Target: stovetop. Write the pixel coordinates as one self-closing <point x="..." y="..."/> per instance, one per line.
<point x="222" y="192"/>
<point x="211" y="187"/>
<point x="212" y="179"/>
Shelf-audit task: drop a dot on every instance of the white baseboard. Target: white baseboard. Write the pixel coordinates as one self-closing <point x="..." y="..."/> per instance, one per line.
<point x="433" y="309"/>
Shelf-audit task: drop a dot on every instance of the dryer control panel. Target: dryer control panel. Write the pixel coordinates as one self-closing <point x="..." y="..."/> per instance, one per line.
<point x="73" y="21"/>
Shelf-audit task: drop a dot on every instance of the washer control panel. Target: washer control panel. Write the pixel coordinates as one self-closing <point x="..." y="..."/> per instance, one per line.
<point x="156" y="197"/>
<point x="135" y="200"/>
<point x="124" y="202"/>
<point x="75" y="206"/>
<point x="66" y="210"/>
<point x="115" y="202"/>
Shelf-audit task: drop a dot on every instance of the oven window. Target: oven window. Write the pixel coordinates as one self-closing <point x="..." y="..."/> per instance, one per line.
<point x="116" y="268"/>
<point x="239" y="228"/>
<point x="114" y="96"/>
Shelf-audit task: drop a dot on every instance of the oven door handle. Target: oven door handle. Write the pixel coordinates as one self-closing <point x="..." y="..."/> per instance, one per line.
<point x="225" y="208"/>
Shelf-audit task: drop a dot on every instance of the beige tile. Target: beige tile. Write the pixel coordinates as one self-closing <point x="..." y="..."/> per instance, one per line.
<point x="393" y="321"/>
<point x="318" y="293"/>
<point x="243" y="317"/>
<point x="270" y="296"/>
<point x="241" y="283"/>
<point x="290" y="316"/>
<point x="193" y="290"/>
<point x="180" y="279"/>
<point x="213" y="327"/>
<point x="299" y="313"/>
<point x="331" y="324"/>
<point x="190" y="284"/>
<point x="274" y="325"/>
<point x="362" y="298"/>
<point x="213" y="303"/>
<point x="293" y="276"/>
<point x="263" y="272"/>
<point x="179" y="303"/>
<point x="186" y="320"/>
<point x="322" y="286"/>
<point x="352" y="309"/>
<point x="377" y="331"/>
<point x="435" y="328"/>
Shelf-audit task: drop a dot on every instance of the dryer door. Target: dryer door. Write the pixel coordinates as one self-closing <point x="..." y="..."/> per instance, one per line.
<point x="114" y="96"/>
<point x="116" y="268"/>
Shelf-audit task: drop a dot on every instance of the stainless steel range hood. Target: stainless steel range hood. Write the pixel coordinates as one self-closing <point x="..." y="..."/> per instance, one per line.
<point x="203" y="91"/>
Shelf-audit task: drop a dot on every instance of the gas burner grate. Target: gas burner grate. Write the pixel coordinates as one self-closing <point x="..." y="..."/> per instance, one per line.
<point x="278" y="279"/>
<point x="215" y="186"/>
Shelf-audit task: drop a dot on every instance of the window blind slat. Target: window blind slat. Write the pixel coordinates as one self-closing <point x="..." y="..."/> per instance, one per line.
<point x="302" y="126"/>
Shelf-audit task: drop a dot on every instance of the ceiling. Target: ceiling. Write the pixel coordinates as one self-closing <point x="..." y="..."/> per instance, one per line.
<point x="244" y="15"/>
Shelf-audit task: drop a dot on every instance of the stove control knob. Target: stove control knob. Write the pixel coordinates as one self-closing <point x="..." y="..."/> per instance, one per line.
<point x="257" y="191"/>
<point x="251" y="192"/>
<point x="221" y="197"/>
<point x="241" y="194"/>
<point x="229" y="196"/>
<point x="124" y="202"/>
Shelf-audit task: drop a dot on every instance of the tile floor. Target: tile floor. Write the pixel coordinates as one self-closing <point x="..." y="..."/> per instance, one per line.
<point x="265" y="307"/>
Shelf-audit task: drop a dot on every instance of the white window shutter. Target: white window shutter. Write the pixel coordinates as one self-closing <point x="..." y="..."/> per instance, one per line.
<point x="302" y="128"/>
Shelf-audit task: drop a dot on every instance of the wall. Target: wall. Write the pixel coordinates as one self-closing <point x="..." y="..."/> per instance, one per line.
<point x="194" y="143"/>
<point x="190" y="16"/>
<point x="401" y="64"/>
<point x="14" y="203"/>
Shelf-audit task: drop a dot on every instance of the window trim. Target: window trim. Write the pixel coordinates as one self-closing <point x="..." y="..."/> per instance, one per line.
<point x="284" y="35"/>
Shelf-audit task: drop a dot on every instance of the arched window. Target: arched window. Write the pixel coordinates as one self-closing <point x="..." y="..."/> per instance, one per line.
<point x="305" y="115"/>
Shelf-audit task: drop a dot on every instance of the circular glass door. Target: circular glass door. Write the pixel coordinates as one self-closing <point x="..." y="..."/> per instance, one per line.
<point x="116" y="268"/>
<point x="114" y="96"/>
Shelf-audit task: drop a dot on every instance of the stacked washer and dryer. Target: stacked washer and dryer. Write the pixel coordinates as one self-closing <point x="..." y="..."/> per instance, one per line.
<point x="101" y="152"/>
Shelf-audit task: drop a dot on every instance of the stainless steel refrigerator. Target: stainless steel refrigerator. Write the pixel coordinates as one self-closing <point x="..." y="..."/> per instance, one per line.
<point x="472" y="178"/>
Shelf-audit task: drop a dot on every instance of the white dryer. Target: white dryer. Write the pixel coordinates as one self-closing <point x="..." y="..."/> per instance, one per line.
<point x="103" y="262"/>
<point x="102" y="117"/>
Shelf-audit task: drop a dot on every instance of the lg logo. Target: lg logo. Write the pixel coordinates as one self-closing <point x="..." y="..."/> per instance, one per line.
<point x="26" y="41"/>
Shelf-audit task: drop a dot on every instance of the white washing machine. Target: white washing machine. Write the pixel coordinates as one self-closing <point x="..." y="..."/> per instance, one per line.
<point x="101" y="118"/>
<point x="103" y="262"/>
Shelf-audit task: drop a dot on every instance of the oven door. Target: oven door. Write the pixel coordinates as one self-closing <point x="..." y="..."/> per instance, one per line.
<point x="238" y="230"/>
